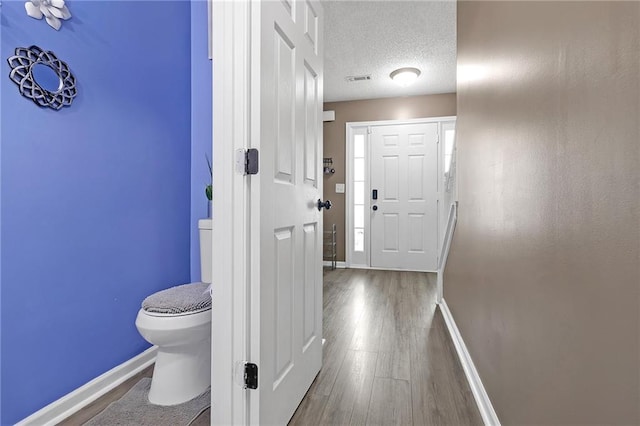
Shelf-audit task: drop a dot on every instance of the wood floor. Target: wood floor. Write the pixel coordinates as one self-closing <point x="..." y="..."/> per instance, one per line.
<point x="388" y="358"/>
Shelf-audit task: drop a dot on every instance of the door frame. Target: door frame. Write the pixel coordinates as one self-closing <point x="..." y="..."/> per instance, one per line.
<point x="351" y="130"/>
<point x="235" y="295"/>
<point x="231" y="41"/>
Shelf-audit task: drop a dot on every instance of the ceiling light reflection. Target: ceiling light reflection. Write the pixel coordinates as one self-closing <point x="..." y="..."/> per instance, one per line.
<point x="472" y="73"/>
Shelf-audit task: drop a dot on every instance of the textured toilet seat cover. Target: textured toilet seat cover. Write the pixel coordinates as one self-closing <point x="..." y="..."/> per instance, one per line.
<point x="180" y="299"/>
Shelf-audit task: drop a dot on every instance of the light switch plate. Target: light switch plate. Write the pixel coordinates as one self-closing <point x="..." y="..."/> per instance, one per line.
<point x="339" y="188"/>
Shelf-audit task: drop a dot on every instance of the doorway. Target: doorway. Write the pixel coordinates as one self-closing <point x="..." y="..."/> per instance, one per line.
<point x="267" y="245"/>
<point x="394" y="193"/>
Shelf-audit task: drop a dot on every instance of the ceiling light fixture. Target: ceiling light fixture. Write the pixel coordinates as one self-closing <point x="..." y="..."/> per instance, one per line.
<point x="405" y="76"/>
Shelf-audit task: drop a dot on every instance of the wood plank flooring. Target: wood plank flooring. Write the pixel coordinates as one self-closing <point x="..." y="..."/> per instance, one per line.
<point x="388" y="358"/>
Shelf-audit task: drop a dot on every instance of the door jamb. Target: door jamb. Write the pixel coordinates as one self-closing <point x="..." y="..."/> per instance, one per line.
<point x="231" y="31"/>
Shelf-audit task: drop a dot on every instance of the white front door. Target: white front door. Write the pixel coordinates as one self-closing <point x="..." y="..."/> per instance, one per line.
<point x="286" y="225"/>
<point x="404" y="217"/>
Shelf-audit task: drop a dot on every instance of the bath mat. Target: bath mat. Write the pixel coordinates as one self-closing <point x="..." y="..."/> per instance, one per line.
<point x="134" y="409"/>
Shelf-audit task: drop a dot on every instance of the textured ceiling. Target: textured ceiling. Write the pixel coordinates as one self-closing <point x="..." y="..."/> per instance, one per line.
<point x="377" y="37"/>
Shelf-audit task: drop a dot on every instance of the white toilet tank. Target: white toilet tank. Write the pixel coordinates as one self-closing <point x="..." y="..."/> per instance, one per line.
<point x="206" y="246"/>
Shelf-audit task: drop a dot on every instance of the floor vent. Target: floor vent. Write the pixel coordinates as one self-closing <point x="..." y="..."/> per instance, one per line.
<point x="353" y="78"/>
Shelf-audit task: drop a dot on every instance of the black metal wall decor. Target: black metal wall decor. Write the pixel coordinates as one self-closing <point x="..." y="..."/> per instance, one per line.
<point x="42" y="77"/>
<point x="327" y="168"/>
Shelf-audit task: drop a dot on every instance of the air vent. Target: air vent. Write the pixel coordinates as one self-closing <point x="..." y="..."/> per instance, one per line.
<point x="353" y="78"/>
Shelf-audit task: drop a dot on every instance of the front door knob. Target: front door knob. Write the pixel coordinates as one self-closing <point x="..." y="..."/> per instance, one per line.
<point x="326" y="204"/>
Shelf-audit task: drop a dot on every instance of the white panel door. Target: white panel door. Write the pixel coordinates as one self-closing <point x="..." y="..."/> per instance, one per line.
<point x="286" y="327"/>
<point x="404" y="218"/>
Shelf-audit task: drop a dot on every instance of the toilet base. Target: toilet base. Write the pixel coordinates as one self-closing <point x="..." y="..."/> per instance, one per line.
<point x="181" y="373"/>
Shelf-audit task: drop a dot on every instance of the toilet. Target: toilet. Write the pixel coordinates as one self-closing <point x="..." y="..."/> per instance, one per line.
<point x="178" y="321"/>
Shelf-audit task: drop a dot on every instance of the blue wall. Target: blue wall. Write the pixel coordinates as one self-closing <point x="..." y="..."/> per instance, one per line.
<point x="1" y="20"/>
<point x="201" y="116"/>
<point x="95" y="199"/>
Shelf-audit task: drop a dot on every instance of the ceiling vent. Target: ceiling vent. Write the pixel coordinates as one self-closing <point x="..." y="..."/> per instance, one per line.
<point x="353" y="78"/>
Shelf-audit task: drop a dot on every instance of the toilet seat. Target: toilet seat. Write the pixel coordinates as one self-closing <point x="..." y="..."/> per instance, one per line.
<point x="183" y="314"/>
<point x="185" y="299"/>
<point x="161" y="330"/>
<point x="176" y="316"/>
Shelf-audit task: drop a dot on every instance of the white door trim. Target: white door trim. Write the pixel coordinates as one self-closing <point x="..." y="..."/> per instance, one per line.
<point x="231" y="48"/>
<point x="350" y="128"/>
<point x="399" y="122"/>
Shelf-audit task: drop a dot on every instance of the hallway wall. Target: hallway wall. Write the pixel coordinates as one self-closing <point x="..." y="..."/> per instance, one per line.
<point x="400" y="108"/>
<point x="544" y="273"/>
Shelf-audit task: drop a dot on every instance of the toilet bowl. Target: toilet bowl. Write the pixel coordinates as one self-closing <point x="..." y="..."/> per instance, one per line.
<point x="178" y="321"/>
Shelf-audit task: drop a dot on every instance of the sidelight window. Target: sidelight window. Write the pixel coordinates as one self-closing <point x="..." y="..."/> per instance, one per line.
<point x="359" y="176"/>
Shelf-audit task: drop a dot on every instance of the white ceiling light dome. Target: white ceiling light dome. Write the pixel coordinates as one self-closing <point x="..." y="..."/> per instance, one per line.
<point x="405" y="76"/>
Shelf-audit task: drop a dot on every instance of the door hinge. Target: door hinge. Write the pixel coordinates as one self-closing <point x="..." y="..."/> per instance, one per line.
<point x="250" y="376"/>
<point x="247" y="161"/>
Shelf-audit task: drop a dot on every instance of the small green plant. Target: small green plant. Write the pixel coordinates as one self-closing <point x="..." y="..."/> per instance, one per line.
<point x="209" y="188"/>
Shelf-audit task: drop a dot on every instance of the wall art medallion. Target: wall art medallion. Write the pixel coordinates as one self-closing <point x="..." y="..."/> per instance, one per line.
<point x="42" y="77"/>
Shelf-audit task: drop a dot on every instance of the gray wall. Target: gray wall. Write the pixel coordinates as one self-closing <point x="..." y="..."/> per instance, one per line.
<point x="543" y="277"/>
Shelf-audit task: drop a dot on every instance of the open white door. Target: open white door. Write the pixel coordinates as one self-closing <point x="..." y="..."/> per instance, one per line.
<point x="286" y="224"/>
<point x="267" y="285"/>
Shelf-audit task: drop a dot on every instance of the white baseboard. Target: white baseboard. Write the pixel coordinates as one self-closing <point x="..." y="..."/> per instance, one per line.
<point x="487" y="412"/>
<point x="89" y="392"/>
<point x="339" y="265"/>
